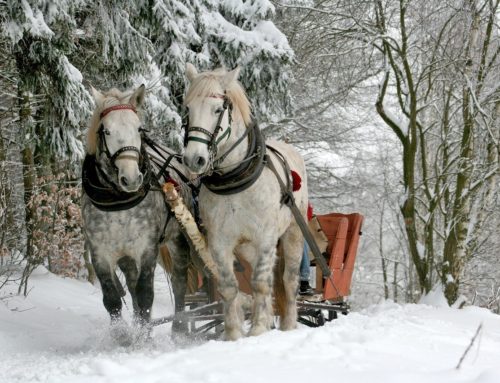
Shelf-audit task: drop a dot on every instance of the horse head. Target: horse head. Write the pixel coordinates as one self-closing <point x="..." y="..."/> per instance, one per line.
<point x="214" y="100"/>
<point x="115" y="139"/>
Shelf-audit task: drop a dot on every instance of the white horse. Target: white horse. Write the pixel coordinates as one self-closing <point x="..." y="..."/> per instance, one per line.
<point x="241" y="202"/>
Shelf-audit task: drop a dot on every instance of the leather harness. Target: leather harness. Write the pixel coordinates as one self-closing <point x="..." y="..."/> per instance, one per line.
<point x="249" y="170"/>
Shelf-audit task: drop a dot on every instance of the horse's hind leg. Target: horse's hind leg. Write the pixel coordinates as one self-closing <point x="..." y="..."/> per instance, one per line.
<point x="262" y="283"/>
<point x="145" y="285"/>
<point x="292" y="242"/>
<point x="179" y="251"/>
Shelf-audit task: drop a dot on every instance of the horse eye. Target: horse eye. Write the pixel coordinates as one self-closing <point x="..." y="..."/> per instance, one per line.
<point x="104" y="130"/>
<point x="219" y="110"/>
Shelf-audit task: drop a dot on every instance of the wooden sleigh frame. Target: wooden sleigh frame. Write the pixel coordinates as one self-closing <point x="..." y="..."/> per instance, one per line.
<point x="204" y="310"/>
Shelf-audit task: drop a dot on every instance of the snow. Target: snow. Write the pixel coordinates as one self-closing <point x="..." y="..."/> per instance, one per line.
<point x="59" y="334"/>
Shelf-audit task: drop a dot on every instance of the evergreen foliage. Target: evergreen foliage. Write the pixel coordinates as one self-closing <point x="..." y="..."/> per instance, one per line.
<point x="53" y="50"/>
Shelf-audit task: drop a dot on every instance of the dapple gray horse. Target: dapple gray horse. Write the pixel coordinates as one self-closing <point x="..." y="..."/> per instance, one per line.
<point x="123" y="219"/>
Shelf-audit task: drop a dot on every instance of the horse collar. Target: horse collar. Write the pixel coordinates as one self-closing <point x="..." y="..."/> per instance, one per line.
<point x="104" y="195"/>
<point x="246" y="173"/>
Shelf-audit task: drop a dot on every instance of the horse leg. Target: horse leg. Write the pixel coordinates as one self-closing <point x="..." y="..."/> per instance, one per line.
<point x="145" y="286"/>
<point x="292" y="242"/>
<point x="229" y="290"/>
<point x="111" y="297"/>
<point x="262" y="283"/>
<point x="179" y="251"/>
<point x="129" y="268"/>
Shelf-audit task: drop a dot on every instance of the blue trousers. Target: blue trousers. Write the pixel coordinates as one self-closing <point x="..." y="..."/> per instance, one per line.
<point x="305" y="265"/>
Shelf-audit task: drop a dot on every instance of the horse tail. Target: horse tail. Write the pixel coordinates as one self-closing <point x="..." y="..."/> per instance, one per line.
<point x="166" y="260"/>
<point x="192" y="279"/>
<point x="168" y="265"/>
<point x="280" y="298"/>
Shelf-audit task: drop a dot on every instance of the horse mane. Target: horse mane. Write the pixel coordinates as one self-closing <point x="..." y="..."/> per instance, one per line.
<point x="112" y="97"/>
<point x="209" y="83"/>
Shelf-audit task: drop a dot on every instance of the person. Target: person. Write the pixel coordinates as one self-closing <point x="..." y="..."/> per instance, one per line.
<point x="305" y="265"/>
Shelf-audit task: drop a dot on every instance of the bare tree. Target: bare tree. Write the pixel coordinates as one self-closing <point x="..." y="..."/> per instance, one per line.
<point x="436" y="66"/>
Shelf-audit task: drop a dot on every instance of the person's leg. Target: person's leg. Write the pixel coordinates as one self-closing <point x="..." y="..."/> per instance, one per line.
<point x="305" y="272"/>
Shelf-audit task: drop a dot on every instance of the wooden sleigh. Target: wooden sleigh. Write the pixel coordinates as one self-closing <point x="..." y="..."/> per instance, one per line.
<point x="341" y="234"/>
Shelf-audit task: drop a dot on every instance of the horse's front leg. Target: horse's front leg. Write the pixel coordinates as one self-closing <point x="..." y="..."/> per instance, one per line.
<point x="111" y="296"/>
<point x="262" y="283"/>
<point x="229" y="290"/>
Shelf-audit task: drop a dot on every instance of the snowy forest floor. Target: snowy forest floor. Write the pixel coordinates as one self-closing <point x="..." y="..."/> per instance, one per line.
<point x="59" y="334"/>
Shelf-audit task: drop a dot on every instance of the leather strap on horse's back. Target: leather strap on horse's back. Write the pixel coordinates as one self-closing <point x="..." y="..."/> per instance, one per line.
<point x="289" y="200"/>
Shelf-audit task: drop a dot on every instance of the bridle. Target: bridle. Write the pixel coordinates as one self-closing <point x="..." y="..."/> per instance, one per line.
<point x="212" y="142"/>
<point x="103" y="132"/>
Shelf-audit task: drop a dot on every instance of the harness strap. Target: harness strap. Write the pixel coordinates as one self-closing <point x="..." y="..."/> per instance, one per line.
<point x="245" y="175"/>
<point x="224" y="156"/>
<point x="213" y="141"/>
<point x="118" y="107"/>
<point x="289" y="200"/>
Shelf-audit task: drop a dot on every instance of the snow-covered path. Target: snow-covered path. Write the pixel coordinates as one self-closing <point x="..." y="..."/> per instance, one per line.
<point x="59" y="334"/>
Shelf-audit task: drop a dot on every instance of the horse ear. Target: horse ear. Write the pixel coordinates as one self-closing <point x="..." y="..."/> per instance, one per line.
<point x="191" y="71"/>
<point x="137" y="97"/>
<point x="98" y="96"/>
<point x="229" y="77"/>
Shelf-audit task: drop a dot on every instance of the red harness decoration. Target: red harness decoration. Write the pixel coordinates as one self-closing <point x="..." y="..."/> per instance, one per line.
<point x="296" y="181"/>
<point x="309" y="211"/>
<point x="117" y="107"/>
<point x="172" y="181"/>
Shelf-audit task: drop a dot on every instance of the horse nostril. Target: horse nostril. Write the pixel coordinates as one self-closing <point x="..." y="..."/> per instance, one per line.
<point x="200" y="162"/>
<point x="124" y="181"/>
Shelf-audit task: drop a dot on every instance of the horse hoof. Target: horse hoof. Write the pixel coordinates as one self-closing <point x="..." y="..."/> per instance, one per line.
<point x="232" y="334"/>
<point x="179" y="327"/>
<point x="257" y="330"/>
<point x="287" y="325"/>
<point x="120" y="333"/>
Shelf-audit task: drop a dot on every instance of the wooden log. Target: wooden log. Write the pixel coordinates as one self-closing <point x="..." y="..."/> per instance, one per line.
<point x="187" y="221"/>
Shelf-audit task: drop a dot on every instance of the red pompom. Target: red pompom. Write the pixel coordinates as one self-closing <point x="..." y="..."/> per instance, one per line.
<point x="172" y="181"/>
<point x="296" y="180"/>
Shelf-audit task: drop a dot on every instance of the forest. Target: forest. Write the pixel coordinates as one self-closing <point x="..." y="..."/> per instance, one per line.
<point x="395" y="105"/>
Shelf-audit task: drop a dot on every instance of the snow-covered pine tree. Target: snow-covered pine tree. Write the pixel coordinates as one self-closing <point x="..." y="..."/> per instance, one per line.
<point x="42" y="35"/>
<point x="224" y="33"/>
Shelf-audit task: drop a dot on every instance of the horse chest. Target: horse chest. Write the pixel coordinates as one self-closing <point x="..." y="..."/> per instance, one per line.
<point x="126" y="232"/>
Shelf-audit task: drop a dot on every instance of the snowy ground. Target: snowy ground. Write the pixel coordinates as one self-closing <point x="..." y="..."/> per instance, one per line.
<point x="59" y="334"/>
